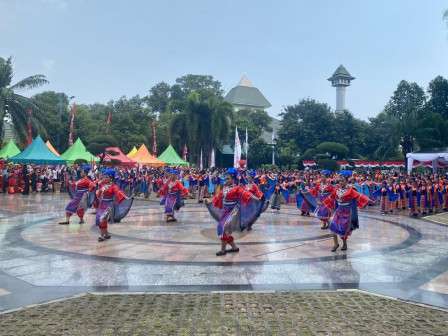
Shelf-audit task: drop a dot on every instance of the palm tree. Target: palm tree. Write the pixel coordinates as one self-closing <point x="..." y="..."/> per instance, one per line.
<point x="203" y="124"/>
<point x="17" y="105"/>
<point x="424" y="131"/>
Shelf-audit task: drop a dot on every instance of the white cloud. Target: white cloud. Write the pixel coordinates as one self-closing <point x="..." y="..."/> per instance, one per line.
<point x="48" y="65"/>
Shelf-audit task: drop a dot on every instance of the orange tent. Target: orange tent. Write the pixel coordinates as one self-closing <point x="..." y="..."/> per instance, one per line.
<point x="50" y="146"/>
<point x="142" y="156"/>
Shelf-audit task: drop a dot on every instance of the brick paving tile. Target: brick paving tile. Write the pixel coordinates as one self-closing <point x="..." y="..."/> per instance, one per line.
<point x="227" y="313"/>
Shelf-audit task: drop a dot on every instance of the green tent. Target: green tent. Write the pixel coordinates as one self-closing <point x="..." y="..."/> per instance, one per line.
<point x="170" y="157"/>
<point x="9" y="150"/>
<point x="37" y="152"/>
<point x="78" y="151"/>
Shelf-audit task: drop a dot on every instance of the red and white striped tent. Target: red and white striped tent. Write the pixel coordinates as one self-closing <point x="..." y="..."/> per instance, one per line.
<point x="429" y="164"/>
<point x="309" y="163"/>
<point x="343" y="163"/>
<point x="362" y="164"/>
<point x="375" y="164"/>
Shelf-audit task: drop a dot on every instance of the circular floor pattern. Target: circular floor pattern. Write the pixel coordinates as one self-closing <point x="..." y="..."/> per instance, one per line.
<point x="144" y="236"/>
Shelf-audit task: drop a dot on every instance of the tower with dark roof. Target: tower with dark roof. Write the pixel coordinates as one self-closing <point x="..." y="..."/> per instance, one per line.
<point x="340" y="80"/>
<point x="246" y="95"/>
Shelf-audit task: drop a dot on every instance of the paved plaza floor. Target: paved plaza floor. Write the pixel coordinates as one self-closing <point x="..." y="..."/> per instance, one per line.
<point x="393" y="255"/>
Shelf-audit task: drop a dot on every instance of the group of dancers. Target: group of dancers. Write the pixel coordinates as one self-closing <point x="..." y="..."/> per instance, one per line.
<point x="241" y="197"/>
<point x="108" y="200"/>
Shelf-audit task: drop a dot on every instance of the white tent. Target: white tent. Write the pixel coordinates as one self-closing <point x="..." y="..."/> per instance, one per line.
<point x="437" y="158"/>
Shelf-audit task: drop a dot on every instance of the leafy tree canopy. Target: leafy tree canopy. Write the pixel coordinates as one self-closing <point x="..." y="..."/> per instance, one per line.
<point x="196" y="83"/>
<point x="98" y="144"/>
<point x="336" y="150"/>
<point x="328" y="164"/>
<point x="438" y="96"/>
<point x="259" y="153"/>
<point x="308" y="123"/>
<point x="17" y="105"/>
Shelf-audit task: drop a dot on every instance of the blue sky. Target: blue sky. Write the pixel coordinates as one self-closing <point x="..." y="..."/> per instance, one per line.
<point x="99" y="50"/>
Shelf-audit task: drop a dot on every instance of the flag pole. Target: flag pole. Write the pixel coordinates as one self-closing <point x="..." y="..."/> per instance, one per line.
<point x="154" y="144"/>
<point x="70" y="137"/>
<point x="247" y="151"/>
<point x="108" y="123"/>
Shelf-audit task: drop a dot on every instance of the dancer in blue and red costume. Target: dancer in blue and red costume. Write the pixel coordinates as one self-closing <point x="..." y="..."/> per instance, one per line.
<point x="425" y="197"/>
<point x="305" y="189"/>
<point x="387" y="198"/>
<point x="110" y="197"/>
<point x="346" y="201"/>
<point x="173" y="191"/>
<point x="81" y="199"/>
<point x="230" y="218"/>
<point x="414" y="199"/>
<point x="321" y="191"/>
<point x="253" y="188"/>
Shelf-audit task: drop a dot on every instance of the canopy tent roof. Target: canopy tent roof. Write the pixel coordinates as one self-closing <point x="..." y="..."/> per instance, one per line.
<point x="9" y="150"/>
<point x="123" y="158"/>
<point x="78" y="151"/>
<point x="142" y="156"/>
<point x="37" y="152"/>
<point x="170" y="157"/>
<point x="132" y="152"/>
<point x="50" y="146"/>
<point x="433" y="156"/>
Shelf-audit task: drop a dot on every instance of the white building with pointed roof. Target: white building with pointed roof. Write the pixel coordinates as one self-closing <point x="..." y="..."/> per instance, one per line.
<point x="246" y="95"/>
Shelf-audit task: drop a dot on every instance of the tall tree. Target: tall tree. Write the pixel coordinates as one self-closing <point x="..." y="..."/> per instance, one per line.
<point x="256" y="121"/>
<point x="350" y="131"/>
<point x="438" y="96"/>
<point x="54" y="128"/>
<point x="259" y="153"/>
<point x="131" y="122"/>
<point x="205" y="123"/>
<point x="383" y="142"/>
<point x="195" y="83"/>
<point x="403" y="110"/>
<point x="309" y="123"/>
<point x="407" y="123"/>
<point x="98" y="146"/>
<point x="159" y="97"/>
<point x="18" y="105"/>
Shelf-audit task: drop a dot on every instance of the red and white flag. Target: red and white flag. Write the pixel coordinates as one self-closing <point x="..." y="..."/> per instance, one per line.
<point x="28" y="124"/>
<point x="108" y="122"/>
<point x="70" y="137"/>
<point x="237" y="151"/>
<point x="184" y="154"/>
<point x="154" y="144"/>
<point x="212" y="159"/>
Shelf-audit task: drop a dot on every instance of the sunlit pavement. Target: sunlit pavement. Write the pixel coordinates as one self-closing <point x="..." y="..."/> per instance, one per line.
<point x="393" y="255"/>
